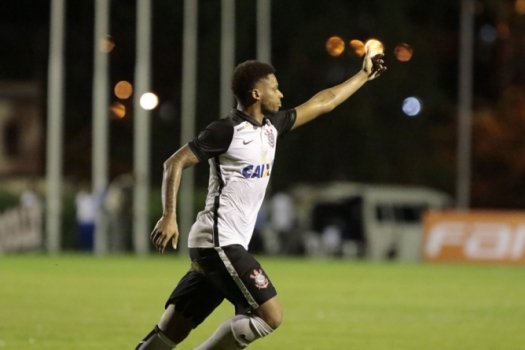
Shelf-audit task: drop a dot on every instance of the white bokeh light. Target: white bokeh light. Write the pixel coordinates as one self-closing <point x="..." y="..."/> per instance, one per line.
<point x="149" y="101"/>
<point x="411" y="106"/>
<point x="488" y="33"/>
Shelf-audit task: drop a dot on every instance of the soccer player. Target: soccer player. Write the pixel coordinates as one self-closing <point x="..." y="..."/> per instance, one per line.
<point x="240" y="150"/>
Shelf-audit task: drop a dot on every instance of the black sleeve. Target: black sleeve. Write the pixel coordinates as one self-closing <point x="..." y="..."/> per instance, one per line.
<point x="214" y="140"/>
<point x="283" y="121"/>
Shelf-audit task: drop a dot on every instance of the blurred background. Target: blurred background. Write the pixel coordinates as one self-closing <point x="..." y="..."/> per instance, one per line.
<point x="441" y="129"/>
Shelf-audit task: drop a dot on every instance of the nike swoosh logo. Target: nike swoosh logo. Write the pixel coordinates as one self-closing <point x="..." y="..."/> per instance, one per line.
<point x="244" y="142"/>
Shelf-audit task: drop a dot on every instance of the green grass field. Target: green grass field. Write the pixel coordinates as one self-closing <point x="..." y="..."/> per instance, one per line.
<point x="82" y="302"/>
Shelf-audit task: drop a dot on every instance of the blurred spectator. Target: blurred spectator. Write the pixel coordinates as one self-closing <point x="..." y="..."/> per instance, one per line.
<point x="332" y="238"/>
<point x="86" y="209"/>
<point x="119" y="208"/>
<point x="29" y="198"/>
<point x="30" y="202"/>
<point x="283" y="221"/>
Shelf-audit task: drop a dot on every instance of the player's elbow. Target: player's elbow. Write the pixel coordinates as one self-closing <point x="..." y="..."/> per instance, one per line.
<point x="179" y="160"/>
<point x="328" y="107"/>
<point x="168" y="163"/>
<point x="326" y="101"/>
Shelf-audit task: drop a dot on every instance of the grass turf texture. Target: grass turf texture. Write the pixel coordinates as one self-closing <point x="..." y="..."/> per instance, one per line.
<point x="82" y="302"/>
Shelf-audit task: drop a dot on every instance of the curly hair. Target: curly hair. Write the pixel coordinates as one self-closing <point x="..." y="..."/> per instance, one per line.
<point x="245" y="76"/>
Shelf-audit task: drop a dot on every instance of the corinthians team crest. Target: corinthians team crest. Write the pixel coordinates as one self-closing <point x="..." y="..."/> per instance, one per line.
<point x="260" y="279"/>
<point x="271" y="137"/>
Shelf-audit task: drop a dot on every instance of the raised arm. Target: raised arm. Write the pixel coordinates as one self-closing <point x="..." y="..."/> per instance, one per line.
<point x="166" y="228"/>
<point x="327" y="99"/>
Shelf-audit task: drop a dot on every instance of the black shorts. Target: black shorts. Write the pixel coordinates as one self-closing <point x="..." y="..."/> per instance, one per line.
<point x="217" y="273"/>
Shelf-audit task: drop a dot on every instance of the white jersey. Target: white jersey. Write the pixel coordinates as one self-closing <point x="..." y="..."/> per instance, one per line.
<point x="240" y="152"/>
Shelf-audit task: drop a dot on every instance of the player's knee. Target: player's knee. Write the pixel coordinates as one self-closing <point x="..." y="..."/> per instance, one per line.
<point x="272" y="314"/>
<point x="274" y="319"/>
<point x="246" y="329"/>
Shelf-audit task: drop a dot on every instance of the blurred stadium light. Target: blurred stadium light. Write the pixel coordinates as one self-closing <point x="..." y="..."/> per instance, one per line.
<point x="335" y="46"/>
<point x="118" y="110"/>
<point x="148" y="101"/>
<point x="411" y="106"/>
<point x="123" y="89"/>
<point x="519" y="6"/>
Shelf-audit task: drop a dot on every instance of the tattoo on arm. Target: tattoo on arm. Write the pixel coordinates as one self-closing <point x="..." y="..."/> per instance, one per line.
<point x="170" y="189"/>
<point x="173" y="167"/>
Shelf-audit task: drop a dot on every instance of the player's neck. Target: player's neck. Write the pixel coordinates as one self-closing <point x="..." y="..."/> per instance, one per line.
<point x="253" y="111"/>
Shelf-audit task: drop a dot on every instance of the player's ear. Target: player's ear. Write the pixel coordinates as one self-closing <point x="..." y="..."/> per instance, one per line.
<point x="256" y="95"/>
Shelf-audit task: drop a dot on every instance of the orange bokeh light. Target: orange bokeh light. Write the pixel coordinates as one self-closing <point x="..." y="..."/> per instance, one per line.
<point x="403" y="52"/>
<point x="335" y="46"/>
<point x="118" y="110"/>
<point x="106" y="44"/>
<point x="123" y="89"/>
<point x="519" y="6"/>
<point x="358" y="47"/>
<point x="503" y="30"/>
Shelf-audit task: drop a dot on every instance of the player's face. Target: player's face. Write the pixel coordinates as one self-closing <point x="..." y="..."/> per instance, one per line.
<point x="269" y="94"/>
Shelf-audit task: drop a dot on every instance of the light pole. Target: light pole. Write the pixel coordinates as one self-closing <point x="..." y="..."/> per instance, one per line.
<point x="465" y="104"/>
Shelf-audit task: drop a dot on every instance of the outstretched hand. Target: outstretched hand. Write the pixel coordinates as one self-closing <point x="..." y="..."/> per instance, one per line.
<point x="373" y="63"/>
<point x="374" y="66"/>
<point x="165" y="230"/>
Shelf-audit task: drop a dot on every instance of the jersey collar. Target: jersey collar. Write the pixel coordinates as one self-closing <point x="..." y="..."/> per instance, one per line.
<point x="248" y="117"/>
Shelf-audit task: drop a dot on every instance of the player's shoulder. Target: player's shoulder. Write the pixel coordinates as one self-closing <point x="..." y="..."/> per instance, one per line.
<point x="230" y="121"/>
<point x="283" y="114"/>
<point x="213" y="140"/>
<point x="224" y="124"/>
<point x="283" y="120"/>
